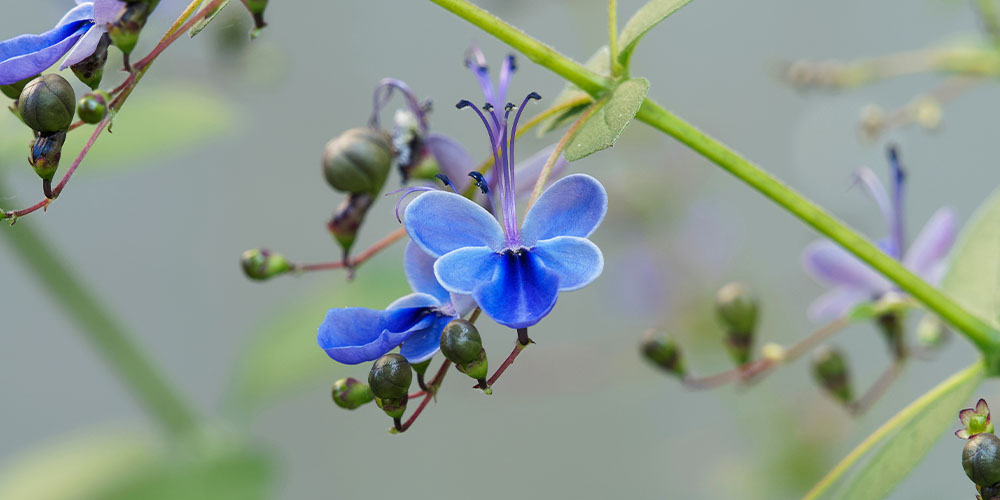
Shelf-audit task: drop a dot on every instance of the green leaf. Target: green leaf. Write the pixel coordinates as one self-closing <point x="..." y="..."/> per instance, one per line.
<point x="600" y="63"/>
<point x="645" y="18"/>
<point x="202" y="24"/>
<point x="602" y="129"/>
<point x="973" y="277"/>
<point x="890" y="303"/>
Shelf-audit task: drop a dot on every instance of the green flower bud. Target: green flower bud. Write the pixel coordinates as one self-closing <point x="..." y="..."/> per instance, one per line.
<point x="891" y="324"/>
<point x="931" y="332"/>
<point x="46" y="150"/>
<point x="93" y="106"/>
<point x="47" y="104"/>
<point x="737" y="309"/>
<point x="664" y="353"/>
<point x="358" y="161"/>
<point x="390" y="380"/>
<point x="125" y="31"/>
<point x="981" y="459"/>
<point x="830" y="370"/>
<point x="348" y="218"/>
<point x="260" y="264"/>
<point x="350" y="393"/>
<point x="90" y="71"/>
<point x="13" y="90"/>
<point x="462" y="345"/>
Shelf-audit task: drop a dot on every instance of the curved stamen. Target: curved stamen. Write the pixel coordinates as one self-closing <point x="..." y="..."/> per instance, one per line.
<point x="493" y="141"/>
<point x="446" y="181"/>
<point x="484" y="186"/>
<point x="506" y="188"/>
<point x="380" y="100"/>
<point x="513" y="131"/>
<point x="898" y="183"/>
<point x="408" y="191"/>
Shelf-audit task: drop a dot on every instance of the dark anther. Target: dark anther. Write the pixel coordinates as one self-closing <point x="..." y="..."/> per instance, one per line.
<point x="534" y="95"/>
<point x="480" y="181"/>
<point x="427" y="106"/>
<point x="444" y="179"/>
<point x="463" y="104"/>
<point x="509" y="106"/>
<point x="488" y="107"/>
<point x="512" y="62"/>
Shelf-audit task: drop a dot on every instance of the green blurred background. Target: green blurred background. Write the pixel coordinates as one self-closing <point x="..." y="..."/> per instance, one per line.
<point x="579" y="415"/>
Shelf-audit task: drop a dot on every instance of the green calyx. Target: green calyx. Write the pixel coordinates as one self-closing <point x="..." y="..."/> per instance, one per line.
<point x="462" y="345"/>
<point x="13" y="90"/>
<point x="260" y="264"/>
<point x="348" y="218"/>
<point x="47" y="104"/>
<point x="93" y="106"/>
<point x="358" y="161"/>
<point x="830" y="370"/>
<point x="125" y="31"/>
<point x="737" y="308"/>
<point x="664" y="353"/>
<point x="90" y="71"/>
<point x="394" y="407"/>
<point x="350" y="393"/>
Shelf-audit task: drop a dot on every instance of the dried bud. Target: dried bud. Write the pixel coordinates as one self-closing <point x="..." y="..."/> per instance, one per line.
<point x="47" y="104"/>
<point x="664" y="353"/>
<point x="462" y="345"/>
<point x="46" y="150"/>
<point x="891" y="324"/>
<point x="358" y="161"/>
<point x="13" y="90"/>
<point x="350" y="393"/>
<point x="260" y="264"/>
<point x="737" y="309"/>
<point x="90" y="71"/>
<point x="390" y="380"/>
<point x="981" y="459"/>
<point x="348" y="218"/>
<point x="830" y="370"/>
<point x="93" y="106"/>
<point x="125" y="31"/>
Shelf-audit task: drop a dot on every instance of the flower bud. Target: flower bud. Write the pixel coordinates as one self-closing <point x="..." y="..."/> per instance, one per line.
<point x="13" y="90"/>
<point x="830" y="370"/>
<point x="124" y="32"/>
<point x="737" y="309"/>
<point x="390" y="380"/>
<point x="46" y="150"/>
<point x="348" y="218"/>
<point x="891" y="324"/>
<point x="350" y="393"/>
<point x="47" y="104"/>
<point x="260" y="264"/>
<point x="981" y="459"/>
<point x="256" y="8"/>
<point x="462" y="345"/>
<point x="93" y="106"/>
<point x="931" y="332"/>
<point x="90" y="71"/>
<point x="358" y="161"/>
<point x="664" y="353"/>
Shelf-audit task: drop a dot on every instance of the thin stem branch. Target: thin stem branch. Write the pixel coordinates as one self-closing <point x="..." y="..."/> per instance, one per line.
<point x="427" y="395"/>
<point x="616" y="67"/>
<point x="355" y="262"/>
<point x="877" y="390"/>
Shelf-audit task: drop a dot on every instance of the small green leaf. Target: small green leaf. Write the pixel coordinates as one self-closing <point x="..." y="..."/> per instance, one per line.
<point x="890" y="303"/>
<point x="602" y="129"/>
<point x="973" y="277"/>
<point x="599" y="63"/>
<point x="202" y="24"/>
<point x="645" y="18"/>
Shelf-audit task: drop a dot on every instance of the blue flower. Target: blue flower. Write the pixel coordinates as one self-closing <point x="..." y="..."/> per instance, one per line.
<point x="514" y="273"/>
<point x="855" y="282"/>
<point x="75" y="36"/>
<point x="413" y="322"/>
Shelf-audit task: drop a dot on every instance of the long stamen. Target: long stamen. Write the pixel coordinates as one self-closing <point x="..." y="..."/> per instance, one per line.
<point x="497" y="165"/>
<point x="513" y="132"/>
<point x="484" y="186"/>
<point x="407" y="192"/>
<point x="446" y="181"/>
<point x="506" y="190"/>
<point x="898" y="183"/>
<point x="380" y="100"/>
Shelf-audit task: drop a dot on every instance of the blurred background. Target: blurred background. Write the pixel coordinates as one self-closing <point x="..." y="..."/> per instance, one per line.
<point x="157" y="232"/>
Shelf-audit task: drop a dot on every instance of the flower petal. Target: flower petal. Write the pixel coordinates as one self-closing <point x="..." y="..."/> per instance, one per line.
<point x="465" y="269"/>
<point x="84" y="47"/>
<point x="414" y="300"/>
<point x="831" y="264"/>
<point x="962" y="434"/>
<point x="527" y="171"/>
<point x="522" y="293"/>
<point x="835" y="303"/>
<point x="440" y="222"/>
<point x="354" y="335"/>
<point x="82" y="12"/>
<point x="932" y="244"/>
<point x="107" y="11"/>
<point x="965" y="416"/>
<point x="573" y="206"/>
<point x="29" y="55"/>
<point x="982" y="408"/>
<point x="424" y="344"/>
<point x="419" y="269"/>
<point x="454" y="161"/>
<point x="577" y="261"/>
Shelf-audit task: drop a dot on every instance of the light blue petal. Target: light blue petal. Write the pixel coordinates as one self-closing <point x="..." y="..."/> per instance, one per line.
<point x="29" y="55"/>
<point x="454" y="161"/>
<point x="84" y="47"/>
<point x="440" y="222"/>
<point x="577" y="261"/>
<point x="82" y="12"/>
<point x="522" y="293"/>
<point x="107" y="11"/>
<point x="932" y="245"/>
<point x="414" y="300"/>
<point x="419" y="269"/>
<point x="354" y="335"/>
<point x="462" y="303"/>
<point x="463" y="270"/>
<point x="573" y="206"/>
<point x="831" y="264"/>
<point x="423" y="345"/>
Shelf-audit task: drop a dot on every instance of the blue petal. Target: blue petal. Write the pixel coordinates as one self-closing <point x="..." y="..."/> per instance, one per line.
<point x="576" y="261"/>
<point x="29" y="55"/>
<point x="522" y="293"/>
<point x="453" y="160"/>
<point x="82" y="12"/>
<point x="85" y="47"/>
<point x="931" y="246"/>
<point x="830" y="263"/>
<point x="440" y="222"/>
<point x="106" y="11"/>
<point x="414" y="300"/>
<point x="419" y="269"/>
<point x="573" y="206"/>
<point x="354" y="335"/>
<point x="463" y="270"/>
<point x="423" y="345"/>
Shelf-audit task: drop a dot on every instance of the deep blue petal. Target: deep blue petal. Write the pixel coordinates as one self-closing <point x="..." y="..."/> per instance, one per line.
<point x="415" y="300"/>
<point x="522" y="293"/>
<point x="424" y="344"/>
<point x="440" y="222"/>
<point x="419" y="269"/>
<point x="573" y="206"/>
<point x="463" y="270"/>
<point x="354" y="335"/>
<point x="29" y="55"/>
<point x="577" y="261"/>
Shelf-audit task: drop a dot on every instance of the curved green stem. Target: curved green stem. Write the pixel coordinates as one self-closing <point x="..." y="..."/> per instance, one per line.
<point x="986" y="338"/>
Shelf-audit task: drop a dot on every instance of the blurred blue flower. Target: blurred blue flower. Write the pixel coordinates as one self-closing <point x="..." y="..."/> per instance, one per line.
<point x="514" y="273"/>
<point x="75" y="36"/>
<point x="413" y="322"/>
<point x="855" y="282"/>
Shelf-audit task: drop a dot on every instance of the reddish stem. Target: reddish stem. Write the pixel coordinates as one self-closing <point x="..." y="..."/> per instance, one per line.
<point x="438" y="378"/>
<point x="518" y="347"/>
<point x="354" y="263"/>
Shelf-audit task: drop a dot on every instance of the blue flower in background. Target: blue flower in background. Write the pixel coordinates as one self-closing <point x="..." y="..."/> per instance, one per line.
<point x="855" y="282"/>
<point x="413" y="323"/>
<point x="75" y="36"/>
<point x="514" y="273"/>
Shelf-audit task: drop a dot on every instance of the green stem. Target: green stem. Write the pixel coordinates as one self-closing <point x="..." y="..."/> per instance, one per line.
<point x="103" y="331"/>
<point x="986" y="338"/>
<point x="616" y="67"/>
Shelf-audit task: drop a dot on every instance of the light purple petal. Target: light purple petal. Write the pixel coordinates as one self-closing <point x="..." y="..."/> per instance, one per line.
<point x="354" y="335"/>
<point x="462" y="270"/>
<point x="441" y="222"/>
<point x="107" y="11"/>
<point x="453" y="159"/>
<point x="84" y="47"/>
<point x="424" y="344"/>
<point x="575" y="260"/>
<point x="419" y="269"/>
<point x="503" y="79"/>
<point x="831" y="264"/>
<point x="874" y="187"/>
<point x="522" y="293"/>
<point x="835" y="303"/>
<point x="527" y="172"/>
<point x="573" y="206"/>
<point x="462" y="303"/>
<point x="414" y="300"/>
<point x="82" y="12"/>
<point x="932" y="244"/>
<point x="29" y="55"/>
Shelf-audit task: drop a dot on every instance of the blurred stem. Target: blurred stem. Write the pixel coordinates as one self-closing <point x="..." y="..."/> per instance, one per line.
<point x="616" y="67"/>
<point x="101" y="329"/>
<point x="987" y="11"/>
<point x="986" y="338"/>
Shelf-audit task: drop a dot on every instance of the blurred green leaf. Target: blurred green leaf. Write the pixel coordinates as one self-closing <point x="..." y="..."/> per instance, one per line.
<point x="599" y="62"/>
<point x="890" y="303"/>
<point x="76" y="467"/>
<point x="602" y="129"/>
<point x="642" y="21"/>
<point x="201" y="25"/>
<point x="973" y="277"/>
<point x="284" y="355"/>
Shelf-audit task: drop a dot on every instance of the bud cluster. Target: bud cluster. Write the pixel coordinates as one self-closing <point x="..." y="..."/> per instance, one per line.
<point x="981" y="453"/>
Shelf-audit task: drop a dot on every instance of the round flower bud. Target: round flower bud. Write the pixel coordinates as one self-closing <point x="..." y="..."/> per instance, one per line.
<point x="931" y="332"/>
<point x="93" y="106"/>
<point x="358" y="161"/>
<point x="47" y="104"/>
<point x="13" y="90"/>
<point x="664" y="353"/>
<point x="390" y="377"/>
<point x="350" y="393"/>
<point x="830" y="370"/>
<point x="260" y="264"/>
<point x="737" y="308"/>
<point x="981" y="459"/>
<point x="461" y="344"/>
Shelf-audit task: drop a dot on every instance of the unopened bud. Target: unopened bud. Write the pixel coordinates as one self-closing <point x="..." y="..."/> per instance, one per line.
<point x="358" y="161"/>
<point x="348" y="218"/>
<point x="125" y="30"/>
<point x="981" y="459"/>
<point x="830" y="370"/>
<point x="93" y="106"/>
<point x="47" y="104"/>
<point x="462" y="345"/>
<point x="90" y="71"/>
<point x="350" y="393"/>
<point x="891" y="325"/>
<point x="664" y="353"/>
<point x="390" y="381"/>
<point x="46" y="150"/>
<point x="737" y="309"/>
<point x="256" y="8"/>
<point x="260" y="264"/>
<point x="931" y="332"/>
